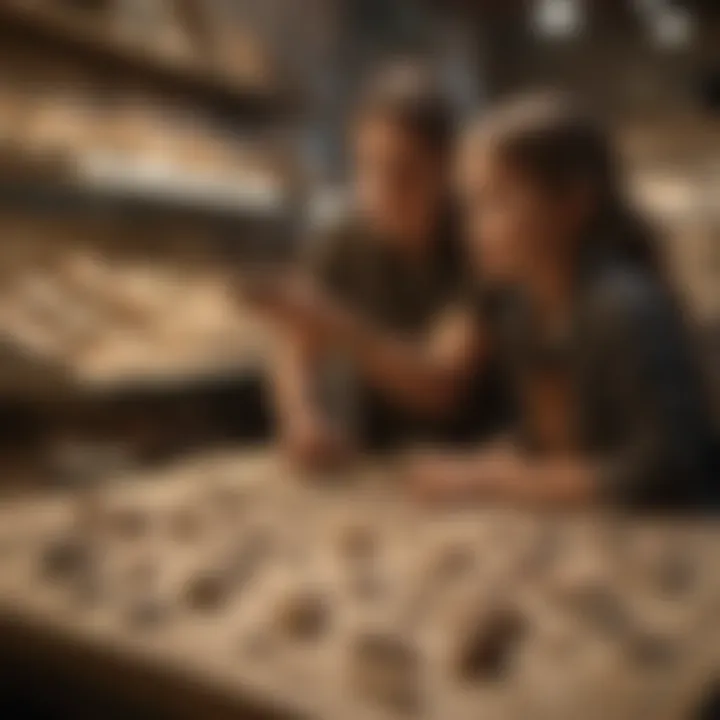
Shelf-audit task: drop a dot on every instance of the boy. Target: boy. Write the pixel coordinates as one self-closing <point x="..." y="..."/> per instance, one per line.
<point x="386" y="293"/>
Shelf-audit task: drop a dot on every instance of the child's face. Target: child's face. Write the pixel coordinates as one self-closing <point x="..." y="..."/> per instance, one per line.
<point x="399" y="181"/>
<point x="512" y="222"/>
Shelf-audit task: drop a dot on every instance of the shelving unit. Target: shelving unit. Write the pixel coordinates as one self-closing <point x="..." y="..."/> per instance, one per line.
<point x="126" y="190"/>
<point x="156" y="167"/>
<point x="251" y="97"/>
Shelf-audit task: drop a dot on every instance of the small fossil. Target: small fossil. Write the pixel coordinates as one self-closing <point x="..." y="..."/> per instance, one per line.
<point x="386" y="668"/>
<point x="65" y="559"/>
<point x="488" y="641"/>
<point x="207" y="591"/>
<point x="601" y="606"/>
<point x="303" y="615"/>
<point x="651" y="649"/>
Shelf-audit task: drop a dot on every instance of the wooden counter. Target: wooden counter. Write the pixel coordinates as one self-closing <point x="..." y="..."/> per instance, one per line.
<point x="226" y="586"/>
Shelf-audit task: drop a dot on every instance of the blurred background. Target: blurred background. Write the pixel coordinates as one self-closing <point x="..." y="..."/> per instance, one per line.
<point x="151" y="150"/>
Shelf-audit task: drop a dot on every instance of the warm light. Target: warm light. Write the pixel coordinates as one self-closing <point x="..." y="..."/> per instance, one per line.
<point x="670" y="26"/>
<point x="558" y="18"/>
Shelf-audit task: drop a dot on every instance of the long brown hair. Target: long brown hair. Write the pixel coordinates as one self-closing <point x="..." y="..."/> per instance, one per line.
<point x="549" y="137"/>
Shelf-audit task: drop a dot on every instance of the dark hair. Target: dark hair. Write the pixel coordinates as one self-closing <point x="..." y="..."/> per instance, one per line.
<point x="549" y="137"/>
<point x="409" y="93"/>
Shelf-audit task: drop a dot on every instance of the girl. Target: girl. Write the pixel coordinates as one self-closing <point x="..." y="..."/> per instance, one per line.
<point x="609" y="404"/>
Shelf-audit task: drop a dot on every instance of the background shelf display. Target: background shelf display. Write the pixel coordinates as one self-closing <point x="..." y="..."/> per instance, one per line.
<point x="136" y="191"/>
<point x="55" y="29"/>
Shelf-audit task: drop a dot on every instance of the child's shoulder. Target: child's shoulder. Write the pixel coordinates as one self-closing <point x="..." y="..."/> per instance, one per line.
<point x="329" y="217"/>
<point x="619" y="291"/>
<point x="332" y="232"/>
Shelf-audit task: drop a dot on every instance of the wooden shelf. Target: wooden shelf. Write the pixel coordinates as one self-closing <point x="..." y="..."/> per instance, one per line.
<point x="135" y="193"/>
<point x="232" y="97"/>
<point x="23" y="375"/>
<point x="27" y="378"/>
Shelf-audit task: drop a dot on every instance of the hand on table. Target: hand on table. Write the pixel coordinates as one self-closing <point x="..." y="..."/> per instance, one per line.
<point x="312" y="444"/>
<point x="437" y="477"/>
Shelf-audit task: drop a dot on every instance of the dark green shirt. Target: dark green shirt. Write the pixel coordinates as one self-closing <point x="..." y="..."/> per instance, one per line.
<point x="370" y="277"/>
<point x="639" y="409"/>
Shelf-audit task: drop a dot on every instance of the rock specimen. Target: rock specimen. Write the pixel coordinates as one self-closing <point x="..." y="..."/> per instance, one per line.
<point x="386" y="668"/>
<point x="303" y="615"/>
<point x="488" y="639"/>
<point x="207" y="591"/>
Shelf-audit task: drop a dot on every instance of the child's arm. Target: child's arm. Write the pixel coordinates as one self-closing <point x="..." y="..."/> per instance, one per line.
<point x="651" y="388"/>
<point x="426" y="375"/>
<point x="304" y="431"/>
<point x="504" y="476"/>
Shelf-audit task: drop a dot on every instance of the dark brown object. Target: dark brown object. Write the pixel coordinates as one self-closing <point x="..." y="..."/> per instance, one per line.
<point x="65" y="559"/>
<point x="601" y="607"/>
<point x="488" y="643"/>
<point x="303" y="616"/>
<point x="207" y="592"/>
<point x="651" y="650"/>
<point x="386" y="668"/>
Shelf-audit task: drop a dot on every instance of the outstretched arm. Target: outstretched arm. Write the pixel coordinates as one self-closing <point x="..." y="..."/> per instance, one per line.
<point x="502" y="475"/>
<point x="425" y="374"/>
<point x="649" y="384"/>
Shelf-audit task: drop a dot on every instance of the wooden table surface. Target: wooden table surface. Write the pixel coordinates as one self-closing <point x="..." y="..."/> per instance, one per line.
<point x="609" y="616"/>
